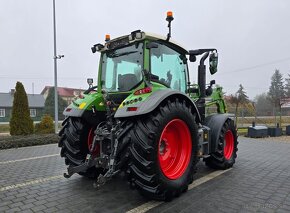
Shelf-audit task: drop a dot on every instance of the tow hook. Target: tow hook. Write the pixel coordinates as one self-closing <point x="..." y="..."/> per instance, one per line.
<point x="90" y="162"/>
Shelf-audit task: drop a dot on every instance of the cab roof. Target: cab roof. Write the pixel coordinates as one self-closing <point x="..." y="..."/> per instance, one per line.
<point x="152" y="37"/>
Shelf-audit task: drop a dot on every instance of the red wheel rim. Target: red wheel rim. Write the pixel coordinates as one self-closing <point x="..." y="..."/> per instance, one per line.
<point x="96" y="150"/>
<point x="174" y="149"/>
<point x="228" y="145"/>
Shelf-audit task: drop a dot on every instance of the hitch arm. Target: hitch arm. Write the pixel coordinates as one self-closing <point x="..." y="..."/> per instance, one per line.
<point x="81" y="168"/>
<point x="76" y="169"/>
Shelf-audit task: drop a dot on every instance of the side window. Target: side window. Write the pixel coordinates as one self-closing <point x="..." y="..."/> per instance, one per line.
<point x="168" y="67"/>
<point x="109" y="75"/>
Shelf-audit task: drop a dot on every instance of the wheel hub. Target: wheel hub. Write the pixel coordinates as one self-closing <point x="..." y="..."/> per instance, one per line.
<point x="163" y="147"/>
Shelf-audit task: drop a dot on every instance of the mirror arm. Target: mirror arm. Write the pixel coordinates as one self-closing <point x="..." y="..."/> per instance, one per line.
<point x="201" y="51"/>
<point x="204" y="57"/>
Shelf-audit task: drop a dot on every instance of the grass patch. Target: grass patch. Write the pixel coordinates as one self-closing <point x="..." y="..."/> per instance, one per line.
<point x="4" y="128"/>
<point x="8" y="142"/>
<point x="242" y="131"/>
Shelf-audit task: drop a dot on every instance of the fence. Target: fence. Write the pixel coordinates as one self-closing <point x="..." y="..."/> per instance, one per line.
<point x="269" y="121"/>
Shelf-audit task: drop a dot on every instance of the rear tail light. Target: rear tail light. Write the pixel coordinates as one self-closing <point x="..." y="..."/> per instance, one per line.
<point x="143" y="91"/>
<point x="132" y="109"/>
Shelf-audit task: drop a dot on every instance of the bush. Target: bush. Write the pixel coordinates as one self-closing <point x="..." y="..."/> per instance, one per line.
<point x="8" y="142"/>
<point x="45" y="126"/>
<point x="20" y="123"/>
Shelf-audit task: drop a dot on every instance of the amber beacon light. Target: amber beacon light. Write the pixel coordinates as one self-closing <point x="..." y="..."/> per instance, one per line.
<point x="107" y="37"/>
<point x="169" y="18"/>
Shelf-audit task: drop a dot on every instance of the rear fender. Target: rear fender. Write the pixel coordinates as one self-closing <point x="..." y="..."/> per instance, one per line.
<point x="90" y="107"/>
<point x="152" y="102"/>
<point x="215" y="123"/>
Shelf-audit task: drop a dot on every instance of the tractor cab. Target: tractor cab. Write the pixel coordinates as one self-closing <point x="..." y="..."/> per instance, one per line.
<point x="134" y="65"/>
<point x="140" y="60"/>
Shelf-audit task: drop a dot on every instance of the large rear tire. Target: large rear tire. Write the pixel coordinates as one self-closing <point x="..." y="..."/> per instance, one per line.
<point x="226" y="152"/>
<point x="76" y="137"/>
<point x="163" y="151"/>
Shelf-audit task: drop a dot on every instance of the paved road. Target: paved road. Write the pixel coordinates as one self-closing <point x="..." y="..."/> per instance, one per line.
<point x="31" y="181"/>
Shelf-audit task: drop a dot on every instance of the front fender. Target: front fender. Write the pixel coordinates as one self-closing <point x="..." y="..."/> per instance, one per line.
<point x="152" y="102"/>
<point x="215" y="122"/>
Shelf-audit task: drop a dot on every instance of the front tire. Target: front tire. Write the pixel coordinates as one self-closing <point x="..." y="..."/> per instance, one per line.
<point x="163" y="151"/>
<point x="226" y="152"/>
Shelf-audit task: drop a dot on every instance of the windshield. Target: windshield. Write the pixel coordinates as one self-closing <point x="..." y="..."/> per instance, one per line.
<point x="121" y="68"/>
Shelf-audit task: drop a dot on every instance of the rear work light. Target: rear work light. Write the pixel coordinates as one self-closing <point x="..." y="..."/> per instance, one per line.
<point x="143" y="91"/>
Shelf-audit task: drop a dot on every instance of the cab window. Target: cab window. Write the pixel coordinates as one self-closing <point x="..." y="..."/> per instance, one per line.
<point x="168" y="67"/>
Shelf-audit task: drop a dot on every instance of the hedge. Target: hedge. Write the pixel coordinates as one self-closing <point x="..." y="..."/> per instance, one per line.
<point x="8" y="142"/>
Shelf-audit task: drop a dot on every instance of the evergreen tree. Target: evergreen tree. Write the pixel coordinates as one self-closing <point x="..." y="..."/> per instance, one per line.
<point x="239" y="99"/>
<point x="49" y="104"/>
<point x="276" y="91"/>
<point x="287" y="86"/>
<point x="20" y="122"/>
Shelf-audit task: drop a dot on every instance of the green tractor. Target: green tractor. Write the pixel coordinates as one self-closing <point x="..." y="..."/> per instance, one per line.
<point x="146" y="119"/>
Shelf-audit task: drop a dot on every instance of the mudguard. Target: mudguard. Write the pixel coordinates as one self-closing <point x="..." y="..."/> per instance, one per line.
<point x="73" y="112"/>
<point x="152" y="102"/>
<point x="90" y="107"/>
<point x="215" y="123"/>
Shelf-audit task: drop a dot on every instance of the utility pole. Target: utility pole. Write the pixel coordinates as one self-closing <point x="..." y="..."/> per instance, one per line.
<point x="55" y="57"/>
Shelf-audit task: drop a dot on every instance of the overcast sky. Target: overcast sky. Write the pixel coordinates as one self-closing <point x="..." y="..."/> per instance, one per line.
<point x="252" y="37"/>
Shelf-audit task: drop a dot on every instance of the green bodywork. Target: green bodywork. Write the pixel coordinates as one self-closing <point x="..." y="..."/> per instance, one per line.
<point x="217" y="100"/>
<point x="95" y="98"/>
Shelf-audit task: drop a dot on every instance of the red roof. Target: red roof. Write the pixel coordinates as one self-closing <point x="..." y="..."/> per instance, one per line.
<point x="63" y="91"/>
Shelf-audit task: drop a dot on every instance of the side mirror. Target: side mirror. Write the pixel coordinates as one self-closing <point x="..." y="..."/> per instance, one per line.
<point x="94" y="49"/>
<point x="90" y="82"/>
<point x="151" y="45"/>
<point x="213" y="62"/>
